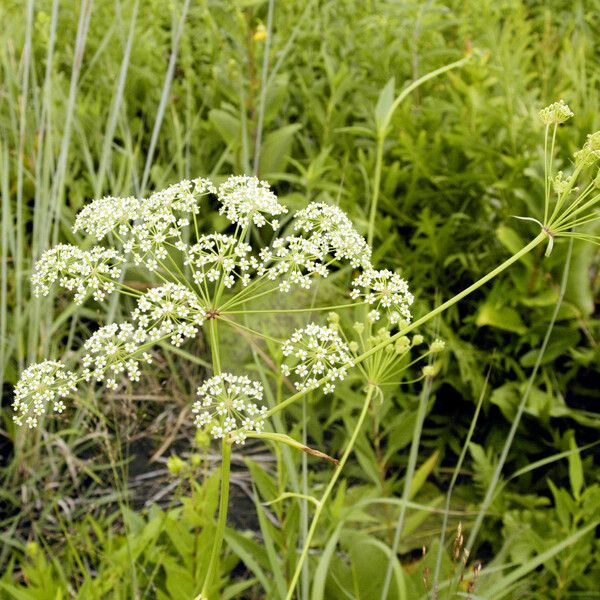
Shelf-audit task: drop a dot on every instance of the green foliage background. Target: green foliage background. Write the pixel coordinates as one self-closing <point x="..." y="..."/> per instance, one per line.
<point x="463" y="155"/>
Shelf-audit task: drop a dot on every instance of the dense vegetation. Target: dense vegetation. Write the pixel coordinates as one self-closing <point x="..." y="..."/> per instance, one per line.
<point x="117" y="497"/>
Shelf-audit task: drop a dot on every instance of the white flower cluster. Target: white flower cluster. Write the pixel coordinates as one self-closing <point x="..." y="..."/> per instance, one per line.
<point x="41" y="384"/>
<point x="295" y="260"/>
<point x="108" y="214"/>
<point x="228" y="407"/>
<point x="217" y="256"/>
<point x="83" y="272"/>
<point x="104" y="215"/>
<point x="247" y="200"/>
<point x="316" y="353"/>
<point x="330" y="228"/>
<point x="169" y="310"/>
<point x="161" y="219"/>
<point x="384" y="290"/>
<point x="112" y="351"/>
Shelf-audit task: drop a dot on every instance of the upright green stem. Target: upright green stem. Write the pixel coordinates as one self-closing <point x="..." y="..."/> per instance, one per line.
<point x="430" y="315"/>
<point x="213" y="335"/>
<point x="213" y="565"/>
<point x="327" y="492"/>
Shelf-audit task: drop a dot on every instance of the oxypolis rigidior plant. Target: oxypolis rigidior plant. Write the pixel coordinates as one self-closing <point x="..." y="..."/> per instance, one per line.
<point x="206" y="279"/>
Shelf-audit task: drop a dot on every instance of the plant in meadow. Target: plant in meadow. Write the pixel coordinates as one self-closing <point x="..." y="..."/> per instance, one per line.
<point x="207" y="279"/>
<point x="203" y="278"/>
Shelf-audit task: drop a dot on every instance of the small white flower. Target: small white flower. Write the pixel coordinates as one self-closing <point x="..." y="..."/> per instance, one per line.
<point x="83" y="272"/>
<point x="384" y="290"/>
<point x="330" y="228"/>
<point x="112" y="352"/>
<point x="218" y="255"/>
<point x="40" y="385"/>
<point x="229" y="407"/>
<point x="104" y="215"/>
<point x="294" y="260"/>
<point x="170" y="309"/>
<point x="316" y="353"/>
<point x="247" y="200"/>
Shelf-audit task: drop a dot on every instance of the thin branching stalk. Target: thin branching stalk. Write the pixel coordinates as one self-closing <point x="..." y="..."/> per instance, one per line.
<point x="430" y="315"/>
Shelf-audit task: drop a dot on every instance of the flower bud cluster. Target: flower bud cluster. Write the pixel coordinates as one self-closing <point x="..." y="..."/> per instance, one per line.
<point x="556" y="113"/>
<point x="590" y="153"/>
<point x="169" y="310"/>
<point x="316" y="353"/>
<point x="113" y="351"/>
<point x="247" y="200"/>
<point x="386" y="291"/>
<point x="229" y="407"/>
<point x="40" y="385"/>
<point x="81" y="271"/>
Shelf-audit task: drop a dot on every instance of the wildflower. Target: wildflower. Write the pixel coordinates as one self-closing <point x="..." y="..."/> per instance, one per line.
<point x="316" y="353"/>
<point x="384" y="290"/>
<point x="162" y="217"/>
<point x="169" y="310"/>
<point x="331" y="229"/>
<point x="247" y="200"/>
<point x="555" y="113"/>
<point x="104" y="215"/>
<point x="112" y="351"/>
<point x="429" y="371"/>
<point x="229" y="407"/>
<point x="41" y="384"/>
<point x="295" y="260"/>
<point x="217" y="256"/>
<point x="94" y="271"/>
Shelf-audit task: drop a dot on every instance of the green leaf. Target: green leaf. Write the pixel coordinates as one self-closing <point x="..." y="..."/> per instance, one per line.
<point x="275" y="150"/>
<point x="422" y="473"/>
<point x="513" y="242"/>
<point x="227" y="125"/>
<point x="384" y="105"/>
<point x="575" y="467"/>
<point x="500" y="317"/>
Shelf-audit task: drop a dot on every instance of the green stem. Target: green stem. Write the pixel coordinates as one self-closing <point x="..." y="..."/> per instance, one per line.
<point x="430" y="315"/>
<point x="213" y="565"/>
<point x="214" y="346"/>
<point x="327" y="493"/>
